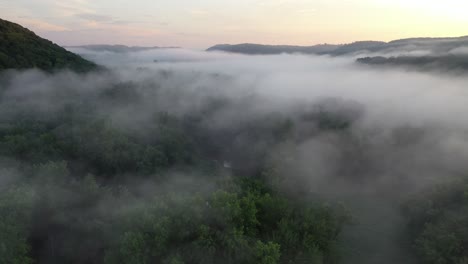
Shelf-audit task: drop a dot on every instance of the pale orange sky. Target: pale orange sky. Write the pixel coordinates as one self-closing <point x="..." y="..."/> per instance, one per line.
<point x="200" y="24"/>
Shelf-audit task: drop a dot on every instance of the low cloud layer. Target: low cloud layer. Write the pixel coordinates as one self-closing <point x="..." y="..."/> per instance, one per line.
<point x="398" y="131"/>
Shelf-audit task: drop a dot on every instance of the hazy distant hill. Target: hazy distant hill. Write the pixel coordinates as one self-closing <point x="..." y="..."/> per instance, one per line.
<point x="118" y="48"/>
<point x="20" y="48"/>
<point x="259" y="49"/>
<point x="429" y="40"/>
<point x="253" y="49"/>
<point x="113" y="48"/>
<point x="430" y="45"/>
<point x="359" y="46"/>
<point x="441" y="63"/>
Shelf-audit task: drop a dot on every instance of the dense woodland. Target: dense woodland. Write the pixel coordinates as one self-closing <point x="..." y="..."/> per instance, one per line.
<point x="437" y="223"/>
<point x="76" y="188"/>
<point x="98" y="168"/>
<point x="79" y="186"/>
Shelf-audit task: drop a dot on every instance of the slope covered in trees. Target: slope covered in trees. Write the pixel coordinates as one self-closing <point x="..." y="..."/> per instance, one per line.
<point x="20" y="48"/>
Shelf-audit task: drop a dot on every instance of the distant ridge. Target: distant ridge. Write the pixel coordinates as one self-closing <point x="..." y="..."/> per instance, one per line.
<point x="436" y="44"/>
<point x="462" y="38"/>
<point x="118" y="48"/>
<point x="248" y="48"/>
<point x="446" y="63"/>
<point x="21" y="48"/>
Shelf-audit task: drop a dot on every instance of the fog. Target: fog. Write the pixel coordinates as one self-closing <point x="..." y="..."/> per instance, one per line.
<point x="404" y="132"/>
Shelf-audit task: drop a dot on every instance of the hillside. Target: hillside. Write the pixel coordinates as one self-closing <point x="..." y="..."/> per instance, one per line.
<point x="453" y="63"/>
<point x="21" y="48"/>
<point x="434" y="45"/>
<point x="321" y="49"/>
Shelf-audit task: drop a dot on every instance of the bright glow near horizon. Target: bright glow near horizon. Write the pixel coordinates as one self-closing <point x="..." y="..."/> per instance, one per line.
<point x="202" y="23"/>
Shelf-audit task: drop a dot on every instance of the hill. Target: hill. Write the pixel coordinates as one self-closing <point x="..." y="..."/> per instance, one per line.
<point x="114" y="48"/>
<point x="433" y="45"/>
<point x="21" y="48"/>
<point x="453" y="63"/>
<point x="257" y="49"/>
<point x="321" y="49"/>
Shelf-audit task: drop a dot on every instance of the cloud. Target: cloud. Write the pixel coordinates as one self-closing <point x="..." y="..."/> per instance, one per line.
<point x="398" y="132"/>
<point x="198" y="12"/>
<point x="72" y="7"/>
<point x="41" y="25"/>
<point x="307" y="11"/>
<point x="95" y="17"/>
<point x="459" y="51"/>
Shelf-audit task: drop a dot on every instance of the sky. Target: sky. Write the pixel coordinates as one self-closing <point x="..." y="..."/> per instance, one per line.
<point x="199" y="24"/>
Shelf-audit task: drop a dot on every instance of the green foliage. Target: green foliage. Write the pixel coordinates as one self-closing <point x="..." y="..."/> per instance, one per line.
<point x="59" y="219"/>
<point x="22" y="49"/>
<point x="247" y="226"/>
<point x="79" y="220"/>
<point x="15" y="225"/>
<point x="104" y="149"/>
<point x="438" y="223"/>
<point x="267" y="253"/>
<point x="155" y="191"/>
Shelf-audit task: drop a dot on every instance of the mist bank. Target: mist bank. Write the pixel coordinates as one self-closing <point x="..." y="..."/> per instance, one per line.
<point x="202" y="157"/>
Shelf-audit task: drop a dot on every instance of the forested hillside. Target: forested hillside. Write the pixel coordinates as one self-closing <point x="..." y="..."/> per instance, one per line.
<point x="20" y="48"/>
